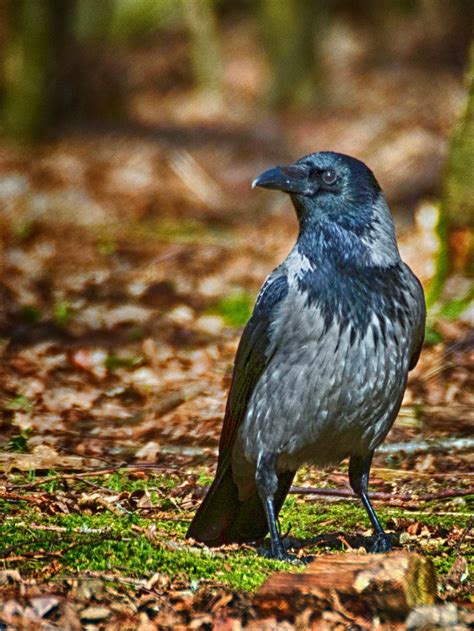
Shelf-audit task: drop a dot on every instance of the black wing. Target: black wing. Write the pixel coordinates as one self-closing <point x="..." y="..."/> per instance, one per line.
<point x="420" y="308"/>
<point x="252" y="356"/>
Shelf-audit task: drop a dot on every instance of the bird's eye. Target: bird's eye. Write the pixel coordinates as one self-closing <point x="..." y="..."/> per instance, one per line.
<point x="329" y="176"/>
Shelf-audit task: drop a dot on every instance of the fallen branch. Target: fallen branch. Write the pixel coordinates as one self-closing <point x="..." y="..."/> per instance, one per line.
<point x="434" y="446"/>
<point x="65" y="476"/>
<point x="80" y="531"/>
<point x="384" y="497"/>
<point x="92" y="473"/>
<point x="464" y="534"/>
<point x="347" y="494"/>
<point x="386" y="585"/>
<point x="403" y="473"/>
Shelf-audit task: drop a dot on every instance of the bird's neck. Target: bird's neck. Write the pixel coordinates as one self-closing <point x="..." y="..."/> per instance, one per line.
<point x="328" y="244"/>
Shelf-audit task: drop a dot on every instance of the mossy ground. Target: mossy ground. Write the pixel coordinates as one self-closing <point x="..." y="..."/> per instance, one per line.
<point x="63" y="527"/>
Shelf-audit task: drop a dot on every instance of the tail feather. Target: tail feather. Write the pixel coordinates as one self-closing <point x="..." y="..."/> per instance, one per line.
<point x="222" y="518"/>
<point x="218" y="510"/>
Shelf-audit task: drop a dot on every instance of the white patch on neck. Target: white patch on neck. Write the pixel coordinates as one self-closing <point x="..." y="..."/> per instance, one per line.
<point x="381" y="243"/>
<point x="297" y="263"/>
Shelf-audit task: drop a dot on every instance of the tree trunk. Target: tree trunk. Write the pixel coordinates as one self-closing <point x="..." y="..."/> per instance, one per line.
<point x="456" y="220"/>
<point x="29" y="58"/>
<point x="52" y="69"/>
<point x="205" y="54"/>
<point x="288" y="29"/>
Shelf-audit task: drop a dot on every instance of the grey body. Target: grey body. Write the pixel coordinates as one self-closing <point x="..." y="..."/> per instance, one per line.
<point x="322" y="364"/>
<point x="322" y="399"/>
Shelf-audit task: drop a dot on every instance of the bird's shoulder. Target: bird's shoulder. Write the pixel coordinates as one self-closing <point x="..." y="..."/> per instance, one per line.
<point x="273" y="291"/>
<point x="417" y="307"/>
<point x="253" y="354"/>
<point x="255" y="341"/>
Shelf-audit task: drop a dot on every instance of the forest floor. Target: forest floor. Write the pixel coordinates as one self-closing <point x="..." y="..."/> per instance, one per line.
<point x="130" y="263"/>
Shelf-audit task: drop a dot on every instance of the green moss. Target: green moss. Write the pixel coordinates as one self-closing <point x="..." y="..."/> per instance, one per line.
<point x="19" y="442"/>
<point x="107" y="542"/>
<point x="137" y="544"/>
<point x="204" y="478"/>
<point x="31" y="313"/>
<point x="453" y="309"/>
<point x="106" y="245"/>
<point x="235" y="309"/>
<point x="176" y="231"/>
<point x="20" y="403"/>
<point x="432" y="335"/>
<point x="308" y="518"/>
<point x="62" y="313"/>
<point x="113" y="361"/>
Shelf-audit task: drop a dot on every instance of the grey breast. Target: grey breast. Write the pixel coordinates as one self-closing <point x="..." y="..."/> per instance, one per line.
<point x="322" y="397"/>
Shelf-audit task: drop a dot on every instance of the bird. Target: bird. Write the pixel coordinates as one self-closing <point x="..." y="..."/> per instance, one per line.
<point x="322" y="364"/>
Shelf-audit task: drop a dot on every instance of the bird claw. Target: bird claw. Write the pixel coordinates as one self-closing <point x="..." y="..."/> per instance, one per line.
<point x="276" y="555"/>
<point x="282" y="555"/>
<point x="381" y="544"/>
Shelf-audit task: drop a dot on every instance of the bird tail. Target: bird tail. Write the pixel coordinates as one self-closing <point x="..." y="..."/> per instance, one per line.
<point x="222" y="518"/>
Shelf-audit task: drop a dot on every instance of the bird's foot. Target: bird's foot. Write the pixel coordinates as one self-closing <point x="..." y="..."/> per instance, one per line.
<point x="381" y="544"/>
<point x="280" y="554"/>
<point x="277" y="554"/>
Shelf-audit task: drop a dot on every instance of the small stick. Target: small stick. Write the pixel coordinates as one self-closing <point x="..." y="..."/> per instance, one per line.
<point x="405" y="497"/>
<point x="65" y="476"/>
<point x="89" y="474"/>
<point x="464" y="534"/>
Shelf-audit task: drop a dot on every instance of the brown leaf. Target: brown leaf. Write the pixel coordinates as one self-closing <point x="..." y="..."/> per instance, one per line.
<point x="458" y="573"/>
<point x="95" y="613"/>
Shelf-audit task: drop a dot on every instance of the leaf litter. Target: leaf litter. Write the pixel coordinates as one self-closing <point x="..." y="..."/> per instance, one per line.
<point x="127" y="270"/>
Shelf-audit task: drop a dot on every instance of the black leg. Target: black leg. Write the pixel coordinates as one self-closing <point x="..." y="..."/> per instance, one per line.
<point x="359" y="469"/>
<point x="267" y="484"/>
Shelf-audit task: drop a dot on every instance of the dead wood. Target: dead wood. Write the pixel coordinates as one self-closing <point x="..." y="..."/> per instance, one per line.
<point x="387" y="586"/>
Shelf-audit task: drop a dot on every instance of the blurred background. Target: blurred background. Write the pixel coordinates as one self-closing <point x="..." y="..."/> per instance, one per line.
<point x="132" y="244"/>
<point x="131" y="251"/>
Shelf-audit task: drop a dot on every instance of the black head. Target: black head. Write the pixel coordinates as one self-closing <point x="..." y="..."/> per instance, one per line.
<point x="338" y="196"/>
<point x="330" y="185"/>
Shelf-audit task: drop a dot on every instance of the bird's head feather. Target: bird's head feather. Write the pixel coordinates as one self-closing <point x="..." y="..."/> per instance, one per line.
<point x="340" y="208"/>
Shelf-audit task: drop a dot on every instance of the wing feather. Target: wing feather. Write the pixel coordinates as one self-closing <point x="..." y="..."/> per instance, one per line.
<point x="419" y="308"/>
<point x="253" y="354"/>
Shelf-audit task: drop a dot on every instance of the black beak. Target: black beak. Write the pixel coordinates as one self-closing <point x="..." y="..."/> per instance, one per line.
<point x="294" y="178"/>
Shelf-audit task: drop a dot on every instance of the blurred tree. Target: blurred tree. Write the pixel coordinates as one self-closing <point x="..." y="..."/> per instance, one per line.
<point x="88" y="84"/>
<point x="456" y="221"/>
<point x="92" y="20"/>
<point x="35" y="36"/>
<point x="205" y="54"/>
<point x="288" y="30"/>
<point x="136" y="19"/>
<point x="48" y="72"/>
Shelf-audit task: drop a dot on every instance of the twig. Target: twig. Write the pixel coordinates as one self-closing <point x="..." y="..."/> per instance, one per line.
<point x="89" y="474"/>
<point x="405" y="497"/>
<point x="197" y="179"/>
<point x="464" y="534"/>
<point x="65" y="476"/>
<point x="162" y="515"/>
<point x="413" y="474"/>
<point x="442" y="513"/>
<point x="79" y="531"/>
<point x="461" y="444"/>
<point x="122" y="580"/>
